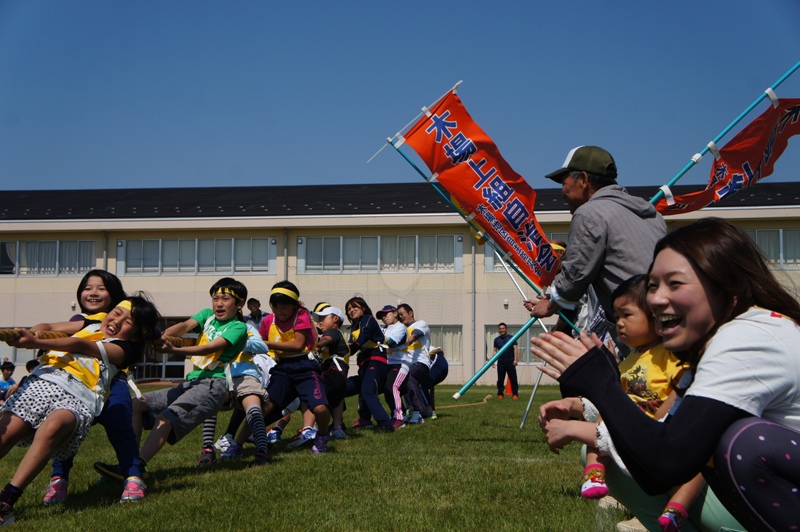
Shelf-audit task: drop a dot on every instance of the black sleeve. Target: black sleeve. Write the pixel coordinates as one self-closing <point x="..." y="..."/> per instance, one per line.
<point x="128" y="349"/>
<point x="658" y="455"/>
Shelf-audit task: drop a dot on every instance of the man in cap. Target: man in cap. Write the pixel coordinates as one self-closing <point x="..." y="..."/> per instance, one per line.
<point x="611" y="237"/>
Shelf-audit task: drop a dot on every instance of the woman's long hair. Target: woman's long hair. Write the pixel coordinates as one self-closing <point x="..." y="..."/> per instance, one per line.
<point x="735" y="269"/>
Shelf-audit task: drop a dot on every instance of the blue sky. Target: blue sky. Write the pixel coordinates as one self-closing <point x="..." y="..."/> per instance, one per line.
<point x="129" y="94"/>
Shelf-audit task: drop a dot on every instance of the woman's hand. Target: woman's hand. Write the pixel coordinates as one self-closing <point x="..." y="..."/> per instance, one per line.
<point x="560" y="350"/>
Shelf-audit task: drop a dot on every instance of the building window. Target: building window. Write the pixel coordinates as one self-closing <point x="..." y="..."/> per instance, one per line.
<point x="372" y="254"/>
<point x="448" y="337"/>
<point x="193" y="256"/>
<point x="780" y="247"/>
<point x="47" y="257"/>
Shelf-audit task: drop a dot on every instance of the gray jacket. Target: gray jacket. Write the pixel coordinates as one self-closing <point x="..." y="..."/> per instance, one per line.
<point x="611" y="238"/>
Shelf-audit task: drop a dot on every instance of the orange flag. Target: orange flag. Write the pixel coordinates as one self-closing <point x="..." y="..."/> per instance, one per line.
<point x="749" y="157"/>
<point x="468" y="165"/>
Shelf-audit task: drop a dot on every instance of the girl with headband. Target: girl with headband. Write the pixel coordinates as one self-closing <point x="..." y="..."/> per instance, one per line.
<point x="291" y="336"/>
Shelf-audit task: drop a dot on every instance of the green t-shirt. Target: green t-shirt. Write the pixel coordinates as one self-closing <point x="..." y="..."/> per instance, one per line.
<point x="213" y="365"/>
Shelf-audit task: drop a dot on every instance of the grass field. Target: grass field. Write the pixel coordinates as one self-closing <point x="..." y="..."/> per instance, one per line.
<point x="471" y="469"/>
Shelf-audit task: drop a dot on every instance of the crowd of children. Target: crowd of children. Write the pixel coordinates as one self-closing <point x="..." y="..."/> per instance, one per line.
<point x="264" y="368"/>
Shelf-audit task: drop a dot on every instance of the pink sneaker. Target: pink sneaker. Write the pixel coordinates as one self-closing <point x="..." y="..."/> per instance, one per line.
<point x="133" y="490"/>
<point x="56" y="492"/>
<point x="363" y="424"/>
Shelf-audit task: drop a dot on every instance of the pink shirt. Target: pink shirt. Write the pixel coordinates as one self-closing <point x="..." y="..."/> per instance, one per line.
<point x="300" y="322"/>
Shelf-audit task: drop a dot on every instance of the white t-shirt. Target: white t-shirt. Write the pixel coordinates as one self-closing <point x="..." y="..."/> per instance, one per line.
<point x="397" y="354"/>
<point x="422" y="346"/>
<point x="753" y="363"/>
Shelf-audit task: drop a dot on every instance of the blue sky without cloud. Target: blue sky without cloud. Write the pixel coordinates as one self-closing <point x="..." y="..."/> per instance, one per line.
<point x="127" y="94"/>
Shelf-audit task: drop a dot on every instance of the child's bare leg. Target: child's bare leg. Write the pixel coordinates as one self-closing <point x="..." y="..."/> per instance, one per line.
<point x="309" y="419"/>
<point x="55" y="429"/>
<point x="156" y="439"/>
<point x="338" y="415"/>
<point x="677" y="511"/>
<point x="323" y="417"/>
<point x="139" y="408"/>
<point x="12" y="429"/>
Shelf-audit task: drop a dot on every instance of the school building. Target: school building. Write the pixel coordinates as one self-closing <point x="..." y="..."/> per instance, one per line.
<point x="389" y="243"/>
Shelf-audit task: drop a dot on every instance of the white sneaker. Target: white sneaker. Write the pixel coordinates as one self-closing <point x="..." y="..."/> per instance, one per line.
<point x="224" y="442"/>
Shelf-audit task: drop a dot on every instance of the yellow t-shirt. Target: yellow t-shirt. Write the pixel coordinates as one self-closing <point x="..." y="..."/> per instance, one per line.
<point x="650" y="376"/>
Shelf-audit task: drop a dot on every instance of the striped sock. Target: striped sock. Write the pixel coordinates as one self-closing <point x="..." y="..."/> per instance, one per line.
<point x="209" y="428"/>
<point x="256" y="421"/>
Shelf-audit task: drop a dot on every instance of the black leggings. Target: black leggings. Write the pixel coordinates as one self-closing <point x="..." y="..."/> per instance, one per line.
<point x="756" y="474"/>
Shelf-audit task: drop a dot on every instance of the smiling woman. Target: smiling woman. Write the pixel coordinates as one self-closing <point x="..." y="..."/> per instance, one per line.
<point x="738" y="328"/>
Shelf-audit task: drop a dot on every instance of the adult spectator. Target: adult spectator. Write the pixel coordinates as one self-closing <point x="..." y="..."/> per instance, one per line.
<point x="256" y="315"/>
<point x="507" y="363"/>
<point x="610" y="238"/>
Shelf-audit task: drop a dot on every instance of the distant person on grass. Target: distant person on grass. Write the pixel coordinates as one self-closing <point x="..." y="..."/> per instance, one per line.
<point x="507" y="363"/>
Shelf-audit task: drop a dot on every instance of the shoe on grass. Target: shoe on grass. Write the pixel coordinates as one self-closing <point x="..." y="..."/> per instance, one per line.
<point x="274" y="435"/>
<point x="207" y="457"/>
<point x="133" y="490"/>
<point x="363" y="424"/>
<point x="6" y="514"/>
<point x="224" y="442"/>
<point x="306" y="435"/>
<point x="233" y="451"/>
<point x="398" y="424"/>
<point x="339" y="434"/>
<point x="416" y="419"/>
<point x="56" y="491"/>
<point x="114" y="472"/>
<point x="262" y="458"/>
<point x="320" y="444"/>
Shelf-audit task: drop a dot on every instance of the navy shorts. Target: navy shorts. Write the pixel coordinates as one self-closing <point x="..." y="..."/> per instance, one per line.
<point x="296" y="377"/>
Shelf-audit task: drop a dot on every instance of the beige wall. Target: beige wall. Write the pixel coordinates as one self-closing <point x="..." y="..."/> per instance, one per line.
<point x="472" y="299"/>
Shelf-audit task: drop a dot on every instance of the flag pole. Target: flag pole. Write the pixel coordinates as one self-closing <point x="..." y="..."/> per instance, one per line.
<point x="697" y="157"/>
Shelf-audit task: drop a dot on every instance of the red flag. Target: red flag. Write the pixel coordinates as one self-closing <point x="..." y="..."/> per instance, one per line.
<point x="468" y="165"/>
<point x="749" y="157"/>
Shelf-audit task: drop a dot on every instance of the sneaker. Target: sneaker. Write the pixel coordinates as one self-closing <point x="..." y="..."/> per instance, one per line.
<point x="398" y="424"/>
<point x="207" y="457"/>
<point x="234" y="451"/>
<point x="515" y="397"/>
<point x="56" y="492"/>
<point x="133" y="490"/>
<point x="433" y="415"/>
<point x="113" y="471"/>
<point x="306" y="435"/>
<point x="261" y="459"/>
<point x="274" y="435"/>
<point x="363" y="424"/>
<point x="320" y="444"/>
<point x="500" y="396"/>
<point x="416" y="419"/>
<point x="224" y="442"/>
<point x="594" y="484"/>
<point x="6" y="513"/>
<point x="339" y="434"/>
